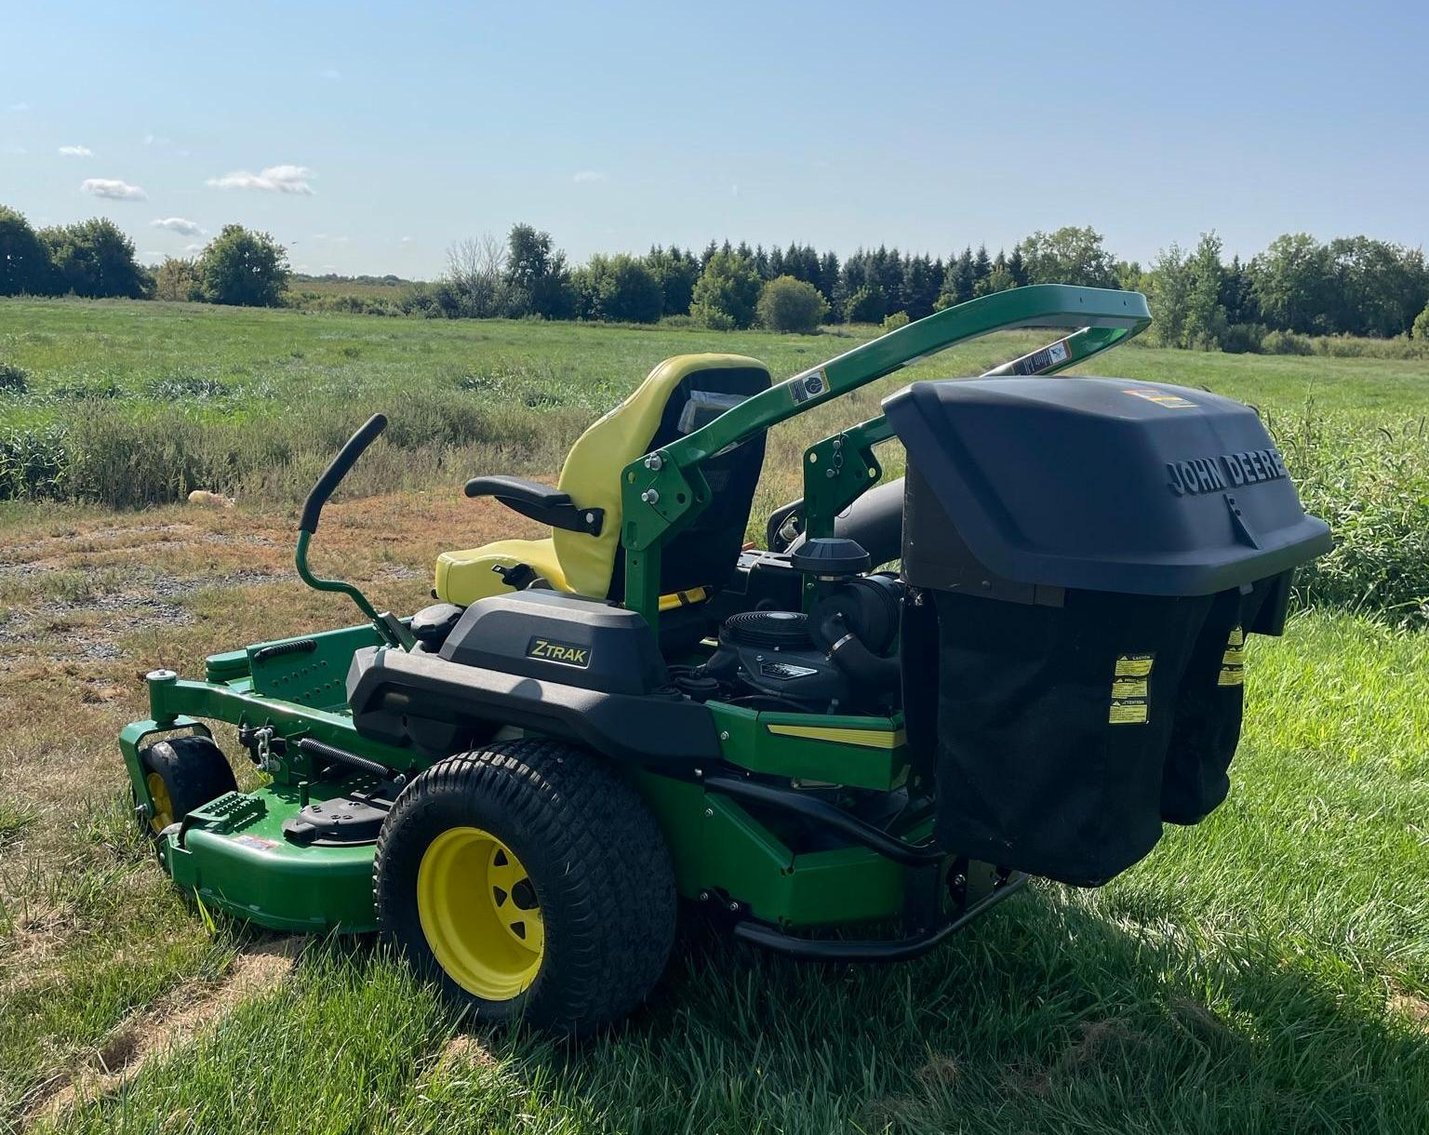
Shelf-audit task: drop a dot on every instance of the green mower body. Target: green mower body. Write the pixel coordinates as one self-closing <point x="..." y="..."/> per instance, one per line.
<point x="514" y="787"/>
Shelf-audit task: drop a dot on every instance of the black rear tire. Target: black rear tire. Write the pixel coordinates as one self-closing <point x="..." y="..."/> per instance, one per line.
<point x="594" y="864"/>
<point x="183" y="773"/>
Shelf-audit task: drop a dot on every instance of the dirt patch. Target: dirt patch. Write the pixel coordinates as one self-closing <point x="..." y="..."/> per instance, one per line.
<point x="1411" y="1006"/>
<point x="464" y="1049"/>
<point x="178" y="1019"/>
<point x="941" y="1071"/>
<point x="1098" y="1045"/>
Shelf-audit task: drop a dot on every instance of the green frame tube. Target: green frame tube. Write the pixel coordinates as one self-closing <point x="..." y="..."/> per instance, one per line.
<point x="665" y="490"/>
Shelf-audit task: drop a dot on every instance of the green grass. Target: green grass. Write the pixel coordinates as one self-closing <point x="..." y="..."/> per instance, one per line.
<point x="134" y="403"/>
<point x="1266" y="971"/>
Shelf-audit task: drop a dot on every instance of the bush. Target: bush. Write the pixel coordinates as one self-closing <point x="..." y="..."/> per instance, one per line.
<point x="894" y="321"/>
<point x="618" y="289"/>
<point x="13" y="380"/>
<point x="727" y="293"/>
<point x="1420" y="330"/>
<point x="177" y="279"/>
<point x="866" y="305"/>
<point x="787" y="304"/>
<point x="1244" y="339"/>
<point x="1287" y="343"/>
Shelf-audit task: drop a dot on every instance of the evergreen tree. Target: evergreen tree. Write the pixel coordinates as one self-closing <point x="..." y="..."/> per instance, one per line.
<point x="1017" y="268"/>
<point x="982" y="268"/>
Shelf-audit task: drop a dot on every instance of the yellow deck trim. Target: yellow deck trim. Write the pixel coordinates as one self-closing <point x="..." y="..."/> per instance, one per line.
<point x="865" y="738"/>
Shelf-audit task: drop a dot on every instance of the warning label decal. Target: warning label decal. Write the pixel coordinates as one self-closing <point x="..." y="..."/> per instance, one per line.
<point x="1130" y="690"/>
<point x="1233" y="661"/>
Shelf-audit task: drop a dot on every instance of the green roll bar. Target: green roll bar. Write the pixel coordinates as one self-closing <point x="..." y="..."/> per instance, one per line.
<point x="665" y="490"/>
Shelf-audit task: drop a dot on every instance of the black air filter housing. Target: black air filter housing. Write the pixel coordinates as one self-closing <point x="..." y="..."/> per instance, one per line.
<point x="1089" y="555"/>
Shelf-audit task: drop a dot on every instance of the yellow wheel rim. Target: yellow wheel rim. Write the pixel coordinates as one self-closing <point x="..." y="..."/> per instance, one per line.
<point x="163" y="807"/>
<point x="479" y="913"/>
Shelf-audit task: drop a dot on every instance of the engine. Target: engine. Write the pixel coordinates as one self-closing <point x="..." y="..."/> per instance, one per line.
<point x="838" y="658"/>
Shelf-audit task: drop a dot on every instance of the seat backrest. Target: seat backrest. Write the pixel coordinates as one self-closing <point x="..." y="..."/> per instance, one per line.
<point x="678" y="397"/>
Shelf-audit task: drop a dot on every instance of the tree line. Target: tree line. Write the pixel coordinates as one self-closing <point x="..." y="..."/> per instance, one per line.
<point x="95" y="259"/>
<point x="1349" y="286"/>
<point x="1298" y="286"/>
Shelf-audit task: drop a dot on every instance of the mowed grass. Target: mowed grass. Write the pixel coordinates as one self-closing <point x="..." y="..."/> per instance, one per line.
<point x="1266" y="971"/>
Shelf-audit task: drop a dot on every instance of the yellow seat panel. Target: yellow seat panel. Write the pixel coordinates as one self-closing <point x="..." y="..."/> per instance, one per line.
<point x="577" y="561"/>
<point x="465" y="577"/>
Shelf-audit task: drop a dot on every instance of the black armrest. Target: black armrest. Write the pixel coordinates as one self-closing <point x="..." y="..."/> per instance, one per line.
<point x="540" y="502"/>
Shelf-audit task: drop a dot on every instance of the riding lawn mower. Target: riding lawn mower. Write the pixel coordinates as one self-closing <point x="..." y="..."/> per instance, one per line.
<point x="850" y="761"/>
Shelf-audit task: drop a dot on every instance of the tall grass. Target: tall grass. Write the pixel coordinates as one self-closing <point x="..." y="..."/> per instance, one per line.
<point x="1371" y="485"/>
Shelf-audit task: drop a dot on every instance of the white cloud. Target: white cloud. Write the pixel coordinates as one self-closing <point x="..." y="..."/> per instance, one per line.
<point x="273" y="179"/>
<point x="192" y="248"/>
<point x="114" y="189"/>
<point x="19" y="106"/>
<point x="77" y="151"/>
<point x="407" y="240"/>
<point x="178" y="225"/>
<point x="588" y="175"/>
<point x="330" y="73"/>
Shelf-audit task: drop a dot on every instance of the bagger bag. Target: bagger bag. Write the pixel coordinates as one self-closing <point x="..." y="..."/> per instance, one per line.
<point x="1085" y="558"/>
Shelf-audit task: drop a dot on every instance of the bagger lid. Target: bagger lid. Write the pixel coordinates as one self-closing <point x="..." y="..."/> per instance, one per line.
<point x="1105" y="484"/>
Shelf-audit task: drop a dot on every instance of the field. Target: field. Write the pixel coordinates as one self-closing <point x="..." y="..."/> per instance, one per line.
<point x="1267" y="971"/>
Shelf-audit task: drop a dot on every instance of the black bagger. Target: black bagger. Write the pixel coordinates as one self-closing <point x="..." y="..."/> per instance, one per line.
<point x="1085" y="558"/>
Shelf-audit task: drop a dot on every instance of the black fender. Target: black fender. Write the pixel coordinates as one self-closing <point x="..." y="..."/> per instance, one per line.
<point x="424" y="701"/>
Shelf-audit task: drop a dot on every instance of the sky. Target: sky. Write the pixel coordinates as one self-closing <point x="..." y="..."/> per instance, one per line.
<point x="370" y="137"/>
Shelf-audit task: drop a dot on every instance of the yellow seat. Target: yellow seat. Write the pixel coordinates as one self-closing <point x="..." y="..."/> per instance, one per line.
<point x="679" y="395"/>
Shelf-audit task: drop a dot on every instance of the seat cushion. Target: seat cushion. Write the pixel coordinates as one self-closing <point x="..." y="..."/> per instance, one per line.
<point x="465" y="577"/>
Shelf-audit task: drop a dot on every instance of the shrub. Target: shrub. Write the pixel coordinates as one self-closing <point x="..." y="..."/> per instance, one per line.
<point x="866" y="305"/>
<point x="894" y="321"/>
<point x="1243" y="338"/>
<point x="787" y="304"/>
<point x="13" y="380"/>
<point x="618" y="289"/>
<point x="1420" y="330"/>
<point x="727" y="293"/>
<point x="1287" y="343"/>
<point x="177" y="279"/>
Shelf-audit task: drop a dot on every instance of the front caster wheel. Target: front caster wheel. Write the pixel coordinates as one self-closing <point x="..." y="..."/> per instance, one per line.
<point x="182" y="774"/>
<point x="528" y="880"/>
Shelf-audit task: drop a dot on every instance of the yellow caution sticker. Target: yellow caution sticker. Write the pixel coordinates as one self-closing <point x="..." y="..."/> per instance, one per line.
<point x="1128" y="688"/>
<point x="1233" y="661"/>
<point x="1134" y="665"/>
<point x="1130" y="712"/>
